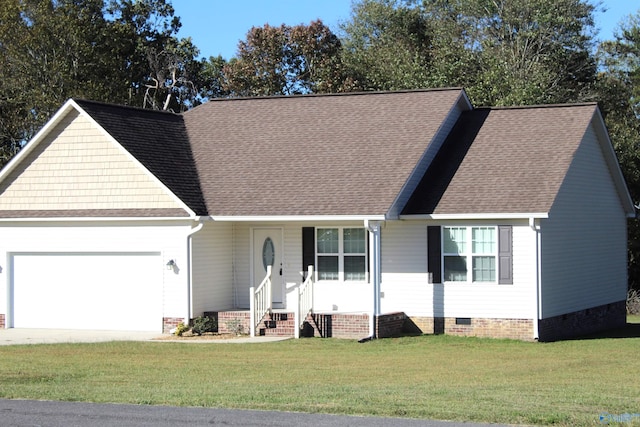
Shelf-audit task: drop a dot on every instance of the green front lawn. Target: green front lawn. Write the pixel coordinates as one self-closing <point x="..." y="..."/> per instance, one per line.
<point x="436" y="377"/>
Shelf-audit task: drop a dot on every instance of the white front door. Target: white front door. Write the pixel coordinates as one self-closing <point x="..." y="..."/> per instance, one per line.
<point x="267" y="250"/>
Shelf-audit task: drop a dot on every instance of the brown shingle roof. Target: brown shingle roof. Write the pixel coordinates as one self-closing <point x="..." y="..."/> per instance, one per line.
<point x="505" y="160"/>
<point x="345" y="154"/>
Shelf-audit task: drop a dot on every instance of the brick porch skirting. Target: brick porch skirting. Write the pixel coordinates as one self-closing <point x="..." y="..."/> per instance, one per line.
<point x="3" y="323"/>
<point x="168" y="323"/>
<point x="355" y="326"/>
<point x="233" y="322"/>
<point x="338" y="325"/>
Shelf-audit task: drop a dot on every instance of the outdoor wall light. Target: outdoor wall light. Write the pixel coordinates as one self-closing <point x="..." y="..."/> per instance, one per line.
<point x="171" y="264"/>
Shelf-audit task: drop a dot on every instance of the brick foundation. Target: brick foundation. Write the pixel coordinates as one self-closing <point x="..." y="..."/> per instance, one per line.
<point x="168" y="323"/>
<point x="519" y="329"/>
<point x="3" y="323"/>
<point x="583" y="322"/>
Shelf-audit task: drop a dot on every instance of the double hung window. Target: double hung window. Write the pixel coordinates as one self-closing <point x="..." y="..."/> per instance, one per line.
<point x="341" y="254"/>
<point x="469" y="254"/>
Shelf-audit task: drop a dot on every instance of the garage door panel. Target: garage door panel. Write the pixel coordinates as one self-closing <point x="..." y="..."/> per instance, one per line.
<point x="118" y="291"/>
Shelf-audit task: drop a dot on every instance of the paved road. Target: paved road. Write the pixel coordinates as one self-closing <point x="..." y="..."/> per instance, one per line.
<point x="71" y="414"/>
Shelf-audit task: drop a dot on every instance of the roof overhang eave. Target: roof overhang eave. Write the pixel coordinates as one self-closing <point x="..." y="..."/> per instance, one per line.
<point x="108" y="219"/>
<point x="476" y="216"/>
<point x="296" y="218"/>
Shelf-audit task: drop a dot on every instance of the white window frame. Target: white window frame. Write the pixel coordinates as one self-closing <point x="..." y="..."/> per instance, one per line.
<point x="468" y="253"/>
<point x="341" y="254"/>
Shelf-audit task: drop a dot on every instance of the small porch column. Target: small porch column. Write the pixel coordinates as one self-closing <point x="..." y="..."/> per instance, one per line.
<point x="374" y="228"/>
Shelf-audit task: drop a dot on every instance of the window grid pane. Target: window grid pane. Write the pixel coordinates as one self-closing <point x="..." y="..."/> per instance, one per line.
<point x="454" y="240"/>
<point x="354" y="242"/>
<point x="455" y="268"/>
<point x="328" y="241"/>
<point x="328" y="268"/>
<point x="483" y="240"/>
<point x="484" y="269"/>
<point x="354" y="268"/>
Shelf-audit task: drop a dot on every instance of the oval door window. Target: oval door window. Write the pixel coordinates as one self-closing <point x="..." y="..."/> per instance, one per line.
<point x="268" y="253"/>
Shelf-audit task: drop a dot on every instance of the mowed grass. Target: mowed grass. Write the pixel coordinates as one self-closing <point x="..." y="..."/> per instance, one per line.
<point x="566" y="383"/>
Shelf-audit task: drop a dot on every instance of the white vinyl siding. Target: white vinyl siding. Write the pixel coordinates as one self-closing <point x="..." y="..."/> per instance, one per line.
<point x="405" y="284"/>
<point x="584" y="251"/>
<point x="77" y="167"/>
<point x="406" y="287"/>
<point x="212" y="285"/>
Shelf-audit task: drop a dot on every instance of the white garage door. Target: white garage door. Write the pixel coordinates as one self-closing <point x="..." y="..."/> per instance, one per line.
<point x="111" y="291"/>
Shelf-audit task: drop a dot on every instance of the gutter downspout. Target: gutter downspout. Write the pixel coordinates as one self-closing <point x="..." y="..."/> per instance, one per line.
<point x="374" y="228"/>
<point x="536" y="318"/>
<point x="193" y="231"/>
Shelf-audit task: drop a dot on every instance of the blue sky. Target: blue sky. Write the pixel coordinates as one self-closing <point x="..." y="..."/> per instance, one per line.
<point x="216" y="26"/>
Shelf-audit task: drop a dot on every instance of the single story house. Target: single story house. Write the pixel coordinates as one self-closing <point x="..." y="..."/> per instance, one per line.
<point x="348" y="215"/>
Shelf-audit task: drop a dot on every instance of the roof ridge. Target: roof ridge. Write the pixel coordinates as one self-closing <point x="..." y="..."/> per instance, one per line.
<point x="80" y="101"/>
<point x="322" y="95"/>
<point x="536" y="106"/>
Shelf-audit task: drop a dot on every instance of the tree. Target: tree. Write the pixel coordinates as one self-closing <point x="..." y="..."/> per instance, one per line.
<point x="51" y="50"/>
<point x="174" y="76"/>
<point x="286" y="60"/>
<point x="212" y="78"/>
<point x="388" y="45"/>
<point x="530" y="51"/>
<point x="503" y="52"/>
<point x="43" y="49"/>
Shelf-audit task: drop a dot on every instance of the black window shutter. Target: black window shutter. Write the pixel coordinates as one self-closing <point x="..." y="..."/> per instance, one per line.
<point x="505" y="255"/>
<point x="308" y="249"/>
<point x="434" y="253"/>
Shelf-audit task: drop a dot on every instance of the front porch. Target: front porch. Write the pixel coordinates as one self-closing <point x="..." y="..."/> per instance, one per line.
<point x="250" y="274"/>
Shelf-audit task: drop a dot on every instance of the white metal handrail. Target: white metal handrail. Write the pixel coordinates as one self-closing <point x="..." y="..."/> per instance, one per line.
<point x="305" y="301"/>
<point x="260" y="302"/>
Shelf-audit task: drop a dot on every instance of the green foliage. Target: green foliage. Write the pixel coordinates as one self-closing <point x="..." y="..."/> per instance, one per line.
<point x="286" y="60"/>
<point x="633" y="302"/>
<point x="181" y="329"/>
<point x="518" y="52"/>
<point x="235" y="327"/>
<point x="388" y="46"/>
<point x="203" y="324"/>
